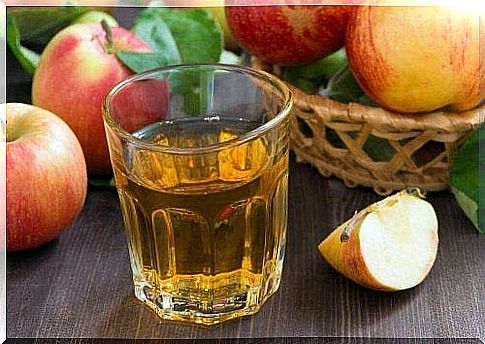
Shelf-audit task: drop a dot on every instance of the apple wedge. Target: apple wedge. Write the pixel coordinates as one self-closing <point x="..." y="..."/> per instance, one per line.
<point x="390" y="245"/>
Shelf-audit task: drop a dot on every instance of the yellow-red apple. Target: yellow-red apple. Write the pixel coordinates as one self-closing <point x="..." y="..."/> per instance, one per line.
<point x="288" y="35"/>
<point x="76" y="71"/>
<point x="417" y="59"/>
<point x="46" y="176"/>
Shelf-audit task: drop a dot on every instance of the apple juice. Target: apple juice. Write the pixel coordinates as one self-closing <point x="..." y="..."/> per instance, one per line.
<point x="206" y="231"/>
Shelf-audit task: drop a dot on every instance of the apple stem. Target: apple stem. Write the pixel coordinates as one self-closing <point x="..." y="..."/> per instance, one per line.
<point x="109" y="36"/>
<point x="345" y="236"/>
<point x="416" y="192"/>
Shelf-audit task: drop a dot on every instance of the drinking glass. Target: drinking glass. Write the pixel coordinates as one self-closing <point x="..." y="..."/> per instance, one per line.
<point x="200" y="160"/>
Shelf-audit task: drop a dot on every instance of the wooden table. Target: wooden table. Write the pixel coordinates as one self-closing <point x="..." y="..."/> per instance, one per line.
<point x="80" y="284"/>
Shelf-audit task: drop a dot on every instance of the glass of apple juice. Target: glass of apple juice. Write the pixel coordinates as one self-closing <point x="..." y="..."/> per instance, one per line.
<point x="200" y="159"/>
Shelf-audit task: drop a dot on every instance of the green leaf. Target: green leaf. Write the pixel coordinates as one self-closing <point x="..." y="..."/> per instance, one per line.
<point x="196" y="89"/>
<point x="141" y="62"/>
<point x="191" y="36"/>
<point x="309" y="86"/>
<point x="197" y="34"/>
<point x="26" y="57"/>
<point x="309" y="78"/>
<point x="37" y="26"/>
<point x="469" y="206"/>
<point x="333" y="75"/>
<point x="179" y="37"/>
<point x="156" y="33"/>
<point x="102" y="182"/>
<point x="465" y="183"/>
<point x="365" y="100"/>
<point x="343" y="87"/>
<point x="377" y="148"/>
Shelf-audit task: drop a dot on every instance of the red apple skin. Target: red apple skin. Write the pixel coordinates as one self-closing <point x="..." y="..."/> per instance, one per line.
<point x="74" y="75"/>
<point x="417" y="59"/>
<point x="288" y="35"/>
<point x="46" y="176"/>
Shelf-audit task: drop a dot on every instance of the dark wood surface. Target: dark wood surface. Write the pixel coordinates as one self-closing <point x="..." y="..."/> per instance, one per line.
<point x="80" y="284"/>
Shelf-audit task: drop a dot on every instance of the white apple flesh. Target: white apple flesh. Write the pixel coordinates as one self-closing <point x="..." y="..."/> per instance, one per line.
<point x="390" y="245"/>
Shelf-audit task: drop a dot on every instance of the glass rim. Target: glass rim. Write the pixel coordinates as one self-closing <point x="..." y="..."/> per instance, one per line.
<point x="241" y="139"/>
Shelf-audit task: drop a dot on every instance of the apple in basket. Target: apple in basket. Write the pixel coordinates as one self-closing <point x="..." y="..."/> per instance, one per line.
<point x="288" y="35"/>
<point x="418" y="58"/>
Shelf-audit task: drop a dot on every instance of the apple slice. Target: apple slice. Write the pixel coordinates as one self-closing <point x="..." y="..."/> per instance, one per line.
<point x="390" y="245"/>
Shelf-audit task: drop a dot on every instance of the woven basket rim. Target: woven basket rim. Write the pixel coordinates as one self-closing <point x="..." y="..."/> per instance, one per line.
<point x="387" y="121"/>
<point x="440" y="120"/>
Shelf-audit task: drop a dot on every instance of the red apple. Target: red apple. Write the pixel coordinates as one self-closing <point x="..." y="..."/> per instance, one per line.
<point x="76" y="71"/>
<point x="288" y="35"/>
<point x="417" y="59"/>
<point x="46" y="176"/>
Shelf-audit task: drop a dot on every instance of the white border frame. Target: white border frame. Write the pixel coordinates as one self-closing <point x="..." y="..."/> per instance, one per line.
<point x="3" y="176"/>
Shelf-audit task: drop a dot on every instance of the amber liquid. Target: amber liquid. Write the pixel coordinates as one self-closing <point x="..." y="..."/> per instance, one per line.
<point x="206" y="232"/>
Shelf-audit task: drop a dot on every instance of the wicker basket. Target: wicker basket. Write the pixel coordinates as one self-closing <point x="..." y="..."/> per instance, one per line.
<point x="332" y="137"/>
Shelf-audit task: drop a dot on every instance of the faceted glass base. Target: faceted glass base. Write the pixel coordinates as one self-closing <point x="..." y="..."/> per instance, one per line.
<point x="208" y="310"/>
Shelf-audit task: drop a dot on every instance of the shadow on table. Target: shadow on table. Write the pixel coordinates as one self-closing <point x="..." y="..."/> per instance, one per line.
<point x="346" y="307"/>
<point x="28" y="258"/>
<point x="142" y="322"/>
